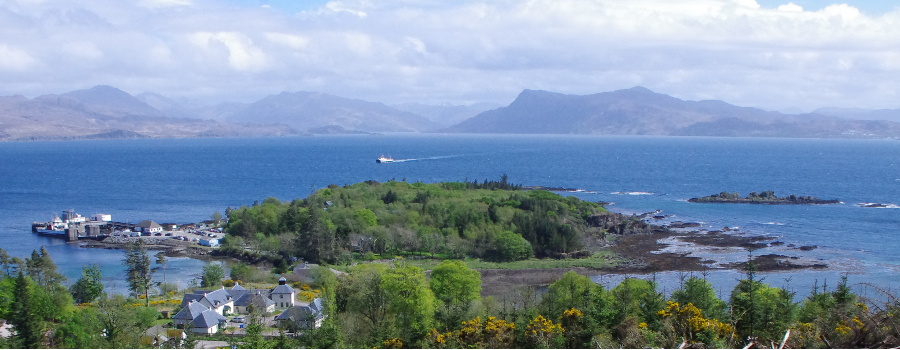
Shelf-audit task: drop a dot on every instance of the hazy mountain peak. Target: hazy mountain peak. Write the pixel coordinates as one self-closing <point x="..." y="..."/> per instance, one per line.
<point x="110" y="101"/>
<point x="640" y="111"/>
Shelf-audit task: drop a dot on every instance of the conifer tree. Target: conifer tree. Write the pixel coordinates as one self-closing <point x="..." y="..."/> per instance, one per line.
<point x="137" y="268"/>
<point x="25" y="322"/>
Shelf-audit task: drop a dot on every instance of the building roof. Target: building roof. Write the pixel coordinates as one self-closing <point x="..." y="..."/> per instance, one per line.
<point x="313" y="310"/>
<point x="148" y="224"/>
<point x="257" y="300"/>
<point x="208" y="318"/>
<point x="218" y="297"/>
<point x="283" y="289"/>
<point x="189" y="297"/>
<point x="237" y="286"/>
<point x="191" y="312"/>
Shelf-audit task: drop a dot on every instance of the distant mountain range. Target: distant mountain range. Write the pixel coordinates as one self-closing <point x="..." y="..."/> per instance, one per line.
<point x="312" y="110"/>
<point x="106" y="112"/>
<point x="639" y="111"/>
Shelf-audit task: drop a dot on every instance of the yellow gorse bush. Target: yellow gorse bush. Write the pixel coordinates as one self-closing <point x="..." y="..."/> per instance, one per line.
<point x="540" y="331"/>
<point x="494" y="333"/>
<point x="689" y="322"/>
<point x="395" y="343"/>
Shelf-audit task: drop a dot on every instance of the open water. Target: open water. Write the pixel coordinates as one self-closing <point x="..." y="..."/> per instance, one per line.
<point x="186" y="180"/>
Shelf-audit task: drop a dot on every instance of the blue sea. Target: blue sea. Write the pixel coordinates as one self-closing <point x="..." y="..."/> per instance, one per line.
<point x="186" y="180"/>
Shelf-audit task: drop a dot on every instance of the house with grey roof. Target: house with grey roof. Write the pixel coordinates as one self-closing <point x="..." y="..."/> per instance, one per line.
<point x="283" y="295"/>
<point x="309" y="316"/>
<point x="256" y="301"/>
<point x="219" y="300"/>
<point x="198" y="318"/>
<point x="148" y="226"/>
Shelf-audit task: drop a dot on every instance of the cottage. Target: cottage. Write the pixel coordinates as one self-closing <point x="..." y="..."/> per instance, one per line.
<point x="283" y="295"/>
<point x="308" y="316"/>
<point x="219" y="300"/>
<point x="199" y="319"/>
<point x="254" y="300"/>
<point x="148" y="226"/>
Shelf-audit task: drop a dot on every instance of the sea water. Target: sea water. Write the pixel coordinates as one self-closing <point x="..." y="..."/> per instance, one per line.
<point x="186" y="180"/>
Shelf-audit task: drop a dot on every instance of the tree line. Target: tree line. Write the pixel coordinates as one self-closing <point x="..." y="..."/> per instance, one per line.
<point x="492" y="220"/>
<point x="398" y="305"/>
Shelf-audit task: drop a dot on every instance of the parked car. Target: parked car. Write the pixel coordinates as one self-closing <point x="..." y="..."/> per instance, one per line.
<point x="239" y="319"/>
<point x="168" y="233"/>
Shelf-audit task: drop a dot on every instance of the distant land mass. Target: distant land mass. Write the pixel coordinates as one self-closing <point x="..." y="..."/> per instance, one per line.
<point x="311" y="110"/>
<point x="104" y="112"/>
<point x="639" y="111"/>
<point x="446" y="115"/>
<point x="765" y="197"/>
<point x="861" y="113"/>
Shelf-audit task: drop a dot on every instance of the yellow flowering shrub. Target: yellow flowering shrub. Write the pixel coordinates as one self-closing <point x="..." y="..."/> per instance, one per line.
<point x="395" y="343"/>
<point x="688" y="322"/>
<point x="492" y="334"/>
<point x="540" y="331"/>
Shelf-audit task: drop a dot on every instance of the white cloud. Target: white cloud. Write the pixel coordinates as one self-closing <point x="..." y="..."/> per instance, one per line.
<point x="460" y="51"/>
<point x="14" y="59"/>
<point x="164" y="3"/>
<point x="340" y="6"/>
<point x="242" y="55"/>
<point x="296" y="42"/>
<point x="790" y="7"/>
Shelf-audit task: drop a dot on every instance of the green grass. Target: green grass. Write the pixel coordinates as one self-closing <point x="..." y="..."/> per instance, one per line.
<point x="600" y="259"/>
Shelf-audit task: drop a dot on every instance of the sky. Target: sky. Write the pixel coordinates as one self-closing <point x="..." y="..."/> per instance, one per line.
<point x="771" y="54"/>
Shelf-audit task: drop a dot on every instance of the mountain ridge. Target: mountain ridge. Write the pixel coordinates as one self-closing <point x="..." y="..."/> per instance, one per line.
<point x="640" y="111"/>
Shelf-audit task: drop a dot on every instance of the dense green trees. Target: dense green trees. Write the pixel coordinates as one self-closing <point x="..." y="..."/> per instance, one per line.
<point x="212" y="276"/>
<point x="491" y="220"/>
<point x="456" y="287"/>
<point x="89" y="287"/>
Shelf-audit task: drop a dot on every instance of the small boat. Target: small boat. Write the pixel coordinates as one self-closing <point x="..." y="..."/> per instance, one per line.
<point x="384" y="159"/>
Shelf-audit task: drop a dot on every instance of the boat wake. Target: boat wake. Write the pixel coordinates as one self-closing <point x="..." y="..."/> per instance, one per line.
<point x="878" y="205"/>
<point x="417" y="159"/>
<point x="636" y="193"/>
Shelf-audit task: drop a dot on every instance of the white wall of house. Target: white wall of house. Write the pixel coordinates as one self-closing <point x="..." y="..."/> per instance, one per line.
<point x="210" y="330"/>
<point x="283" y="300"/>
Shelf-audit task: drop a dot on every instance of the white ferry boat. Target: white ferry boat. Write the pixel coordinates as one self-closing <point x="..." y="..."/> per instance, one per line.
<point x="68" y="219"/>
<point x="384" y="159"/>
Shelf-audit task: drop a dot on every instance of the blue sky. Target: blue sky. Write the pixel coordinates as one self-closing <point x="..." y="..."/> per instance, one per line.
<point x="870" y="7"/>
<point x="771" y="54"/>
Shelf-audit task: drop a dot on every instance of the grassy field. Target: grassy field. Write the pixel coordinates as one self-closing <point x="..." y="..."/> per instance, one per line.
<point x="600" y="259"/>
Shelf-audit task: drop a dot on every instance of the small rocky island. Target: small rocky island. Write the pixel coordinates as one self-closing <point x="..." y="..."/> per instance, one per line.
<point x="766" y="197"/>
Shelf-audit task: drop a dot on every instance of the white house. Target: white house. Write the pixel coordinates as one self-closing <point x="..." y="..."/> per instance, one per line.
<point x="218" y="300"/>
<point x="309" y="316"/>
<point x="148" y="226"/>
<point x="255" y="300"/>
<point x="198" y="318"/>
<point x="283" y="295"/>
<point x="209" y="242"/>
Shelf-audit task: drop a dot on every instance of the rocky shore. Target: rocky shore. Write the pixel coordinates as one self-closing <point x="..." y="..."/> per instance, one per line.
<point x="171" y="247"/>
<point x="766" y="197"/>
<point x="641" y="247"/>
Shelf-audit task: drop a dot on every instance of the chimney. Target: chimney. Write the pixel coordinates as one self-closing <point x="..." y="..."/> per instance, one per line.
<point x="282" y="281"/>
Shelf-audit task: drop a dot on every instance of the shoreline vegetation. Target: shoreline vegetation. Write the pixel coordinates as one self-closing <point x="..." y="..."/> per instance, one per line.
<point x="765" y="197"/>
<point x="449" y="265"/>
<point x="483" y="224"/>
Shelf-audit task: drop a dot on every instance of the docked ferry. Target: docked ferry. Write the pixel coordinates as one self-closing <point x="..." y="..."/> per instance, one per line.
<point x="384" y="159"/>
